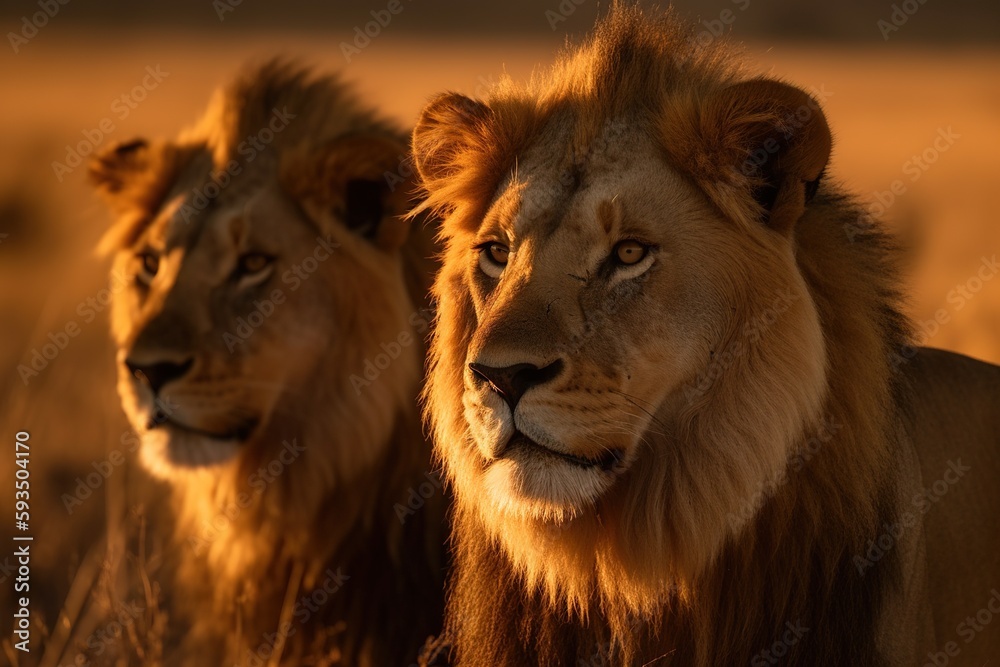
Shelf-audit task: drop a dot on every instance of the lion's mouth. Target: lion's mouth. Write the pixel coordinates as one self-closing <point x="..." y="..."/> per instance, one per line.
<point x="607" y="461"/>
<point x="240" y="433"/>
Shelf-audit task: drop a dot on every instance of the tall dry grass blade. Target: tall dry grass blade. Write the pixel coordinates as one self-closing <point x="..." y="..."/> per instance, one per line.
<point x="79" y="592"/>
<point x="287" y="609"/>
<point x="11" y="654"/>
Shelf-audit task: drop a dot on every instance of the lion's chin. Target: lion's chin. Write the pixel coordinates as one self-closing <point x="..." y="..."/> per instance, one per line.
<point x="168" y="451"/>
<point x="531" y="483"/>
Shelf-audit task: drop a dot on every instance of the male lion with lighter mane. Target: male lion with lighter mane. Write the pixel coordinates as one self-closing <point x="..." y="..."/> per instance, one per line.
<point x="270" y="354"/>
<point x="672" y="389"/>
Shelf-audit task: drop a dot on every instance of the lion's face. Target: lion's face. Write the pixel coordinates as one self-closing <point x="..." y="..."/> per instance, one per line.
<point x="598" y="296"/>
<point x="623" y="352"/>
<point x="239" y="320"/>
<point x="198" y="328"/>
<point x="592" y="295"/>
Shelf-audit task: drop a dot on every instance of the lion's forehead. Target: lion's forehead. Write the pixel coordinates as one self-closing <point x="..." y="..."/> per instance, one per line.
<point x="215" y="236"/>
<point x="589" y="202"/>
<point x="196" y="194"/>
<point x="259" y="221"/>
<point x="646" y="197"/>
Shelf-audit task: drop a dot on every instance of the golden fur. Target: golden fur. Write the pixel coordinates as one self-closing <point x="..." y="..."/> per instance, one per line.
<point x="250" y="384"/>
<point x="705" y="443"/>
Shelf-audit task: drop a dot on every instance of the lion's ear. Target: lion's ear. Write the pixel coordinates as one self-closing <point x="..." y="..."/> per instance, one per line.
<point x="361" y="181"/>
<point x="450" y="126"/>
<point x="757" y="147"/>
<point x="133" y="178"/>
<point x="116" y="166"/>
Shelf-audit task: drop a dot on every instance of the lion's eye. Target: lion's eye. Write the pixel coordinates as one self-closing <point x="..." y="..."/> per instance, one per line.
<point x="498" y="253"/>
<point x="493" y="258"/>
<point x="630" y="252"/>
<point x="253" y="262"/>
<point x="148" y="266"/>
<point x="253" y="268"/>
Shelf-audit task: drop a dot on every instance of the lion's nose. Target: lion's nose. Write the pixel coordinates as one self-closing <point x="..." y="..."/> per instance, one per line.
<point x="156" y="375"/>
<point x="512" y="381"/>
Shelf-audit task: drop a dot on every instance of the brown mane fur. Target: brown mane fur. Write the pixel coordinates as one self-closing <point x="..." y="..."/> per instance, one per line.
<point x="793" y="562"/>
<point x="240" y="574"/>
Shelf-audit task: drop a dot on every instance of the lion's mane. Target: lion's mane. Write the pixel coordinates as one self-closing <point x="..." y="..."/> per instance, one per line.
<point x="791" y="562"/>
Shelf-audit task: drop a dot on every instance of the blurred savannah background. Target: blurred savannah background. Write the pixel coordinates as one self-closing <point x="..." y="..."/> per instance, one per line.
<point x="910" y="88"/>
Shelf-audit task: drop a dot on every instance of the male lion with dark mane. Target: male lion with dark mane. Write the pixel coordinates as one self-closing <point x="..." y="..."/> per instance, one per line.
<point x="672" y="389"/>
<point x="268" y="263"/>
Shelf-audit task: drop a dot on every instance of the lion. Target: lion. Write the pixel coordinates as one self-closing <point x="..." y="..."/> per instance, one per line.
<point x="681" y="414"/>
<point x="270" y="352"/>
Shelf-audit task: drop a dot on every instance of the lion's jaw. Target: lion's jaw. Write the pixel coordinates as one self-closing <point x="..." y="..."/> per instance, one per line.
<point x="627" y="432"/>
<point x="175" y="439"/>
